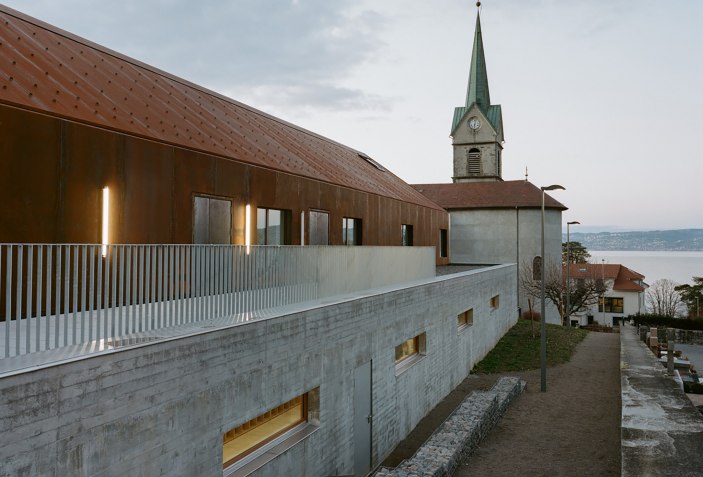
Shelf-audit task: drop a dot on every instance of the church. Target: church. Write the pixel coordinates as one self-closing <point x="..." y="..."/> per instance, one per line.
<point x="492" y="220"/>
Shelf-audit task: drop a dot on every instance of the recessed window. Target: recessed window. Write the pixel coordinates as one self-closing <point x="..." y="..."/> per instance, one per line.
<point x="537" y="268"/>
<point x="351" y="231"/>
<point x="474" y="165"/>
<point x="443" y="243"/>
<point x="465" y="319"/>
<point x="406" y="233"/>
<point x="251" y="440"/>
<point x="495" y="302"/>
<point x="409" y="352"/>
<point x="273" y="226"/>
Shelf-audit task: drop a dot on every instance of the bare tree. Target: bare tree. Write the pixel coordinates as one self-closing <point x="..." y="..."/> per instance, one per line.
<point x="663" y="299"/>
<point x="584" y="292"/>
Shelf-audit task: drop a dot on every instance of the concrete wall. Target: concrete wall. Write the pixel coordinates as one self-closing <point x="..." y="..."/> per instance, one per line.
<point x="162" y="408"/>
<point x="490" y="236"/>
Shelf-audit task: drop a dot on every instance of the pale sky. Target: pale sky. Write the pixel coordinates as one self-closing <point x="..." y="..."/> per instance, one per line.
<point x="604" y="97"/>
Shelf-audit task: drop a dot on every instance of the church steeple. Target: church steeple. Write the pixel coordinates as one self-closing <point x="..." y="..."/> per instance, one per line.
<point x="477" y="127"/>
<point x="477" y="91"/>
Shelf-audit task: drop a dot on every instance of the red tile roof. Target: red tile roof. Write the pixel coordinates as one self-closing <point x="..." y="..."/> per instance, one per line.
<point x="624" y="279"/>
<point x="488" y="195"/>
<point x="54" y="72"/>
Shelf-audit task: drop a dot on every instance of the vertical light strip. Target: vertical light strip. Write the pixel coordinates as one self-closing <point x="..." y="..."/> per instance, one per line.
<point x="302" y="227"/>
<point x="247" y="227"/>
<point x="106" y="219"/>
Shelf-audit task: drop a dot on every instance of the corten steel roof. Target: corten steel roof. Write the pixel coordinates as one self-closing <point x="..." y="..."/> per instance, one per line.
<point x="624" y="278"/>
<point x="488" y="195"/>
<point x="49" y="70"/>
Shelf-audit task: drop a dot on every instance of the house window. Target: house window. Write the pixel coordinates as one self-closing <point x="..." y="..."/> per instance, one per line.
<point x="406" y="233"/>
<point x="409" y="352"/>
<point x="474" y="166"/>
<point x="212" y="220"/>
<point x="612" y="304"/>
<point x="273" y="226"/>
<point x="495" y="302"/>
<point x="351" y="231"/>
<point x="318" y="228"/>
<point x="252" y="439"/>
<point x="442" y="243"/>
<point x="465" y="319"/>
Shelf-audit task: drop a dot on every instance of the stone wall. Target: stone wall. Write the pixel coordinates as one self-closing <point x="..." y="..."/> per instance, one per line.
<point x="162" y="408"/>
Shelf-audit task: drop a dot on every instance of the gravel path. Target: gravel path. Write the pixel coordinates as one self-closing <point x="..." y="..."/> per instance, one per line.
<point x="571" y="430"/>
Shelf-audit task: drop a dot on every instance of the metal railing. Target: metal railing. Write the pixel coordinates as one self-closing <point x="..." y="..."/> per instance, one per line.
<point x="56" y="295"/>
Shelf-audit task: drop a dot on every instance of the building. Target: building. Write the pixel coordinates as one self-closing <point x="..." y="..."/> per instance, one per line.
<point x="625" y="293"/>
<point x="150" y="325"/>
<point x="492" y="220"/>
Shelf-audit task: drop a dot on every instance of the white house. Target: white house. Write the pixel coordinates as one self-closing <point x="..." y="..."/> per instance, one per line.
<point x="624" y="293"/>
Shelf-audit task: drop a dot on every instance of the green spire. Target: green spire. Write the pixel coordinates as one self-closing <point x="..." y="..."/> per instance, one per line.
<point x="478" y="78"/>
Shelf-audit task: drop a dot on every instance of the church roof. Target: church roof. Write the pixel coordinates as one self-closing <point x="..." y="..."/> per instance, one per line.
<point x="488" y="195"/>
<point x="477" y="90"/>
<point x="59" y="74"/>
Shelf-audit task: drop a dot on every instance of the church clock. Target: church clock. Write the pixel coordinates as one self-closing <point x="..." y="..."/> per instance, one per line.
<point x="474" y="123"/>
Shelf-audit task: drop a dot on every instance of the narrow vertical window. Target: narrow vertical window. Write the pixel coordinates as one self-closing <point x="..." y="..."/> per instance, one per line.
<point x="495" y="302"/>
<point x="443" y="243"/>
<point x="406" y="233"/>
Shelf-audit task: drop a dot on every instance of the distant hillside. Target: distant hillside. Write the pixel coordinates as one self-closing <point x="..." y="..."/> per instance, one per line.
<point x="655" y="240"/>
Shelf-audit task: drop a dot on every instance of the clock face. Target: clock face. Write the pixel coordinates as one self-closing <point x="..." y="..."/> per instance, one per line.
<point x="474" y="123"/>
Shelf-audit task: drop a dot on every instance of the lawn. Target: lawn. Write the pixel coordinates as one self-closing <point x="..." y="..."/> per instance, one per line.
<point x="519" y="351"/>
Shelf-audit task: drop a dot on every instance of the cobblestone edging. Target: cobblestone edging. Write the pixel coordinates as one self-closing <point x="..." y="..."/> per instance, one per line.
<point x="460" y="433"/>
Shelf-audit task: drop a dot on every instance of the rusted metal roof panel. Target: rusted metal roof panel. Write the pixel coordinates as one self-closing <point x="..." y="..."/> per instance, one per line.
<point x="54" y="72"/>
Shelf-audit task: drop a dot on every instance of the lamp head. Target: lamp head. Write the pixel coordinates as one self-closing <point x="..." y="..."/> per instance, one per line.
<point x="573" y="222"/>
<point x="553" y="187"/>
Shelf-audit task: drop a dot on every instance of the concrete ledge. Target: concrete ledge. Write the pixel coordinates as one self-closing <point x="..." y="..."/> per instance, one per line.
<point x="461" y="433"/>
<point x="662" y="432"/>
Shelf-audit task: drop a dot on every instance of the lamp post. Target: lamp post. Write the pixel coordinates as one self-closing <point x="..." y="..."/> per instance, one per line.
<point x="568" y="266"/>
<point x="602" y="260"/>
<point x="543" y="327"/>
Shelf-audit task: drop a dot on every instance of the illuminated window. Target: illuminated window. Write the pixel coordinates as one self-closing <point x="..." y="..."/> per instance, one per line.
<point x="465" y="319"/>
<point x="273" y="227"/>
<point x="612" y="304"/>
<point x="245" y="442"/>
<point x="409" y="351"/>
<point x="351" y="231"/>
<point x="495" y="302"/>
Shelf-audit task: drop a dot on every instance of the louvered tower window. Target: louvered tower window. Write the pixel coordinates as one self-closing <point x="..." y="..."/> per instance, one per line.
<point x="474" y="162"/>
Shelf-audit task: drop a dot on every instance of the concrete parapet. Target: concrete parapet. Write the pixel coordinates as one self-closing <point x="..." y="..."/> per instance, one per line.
<point x="662" y="432"/>
<point x="461" y="433"/>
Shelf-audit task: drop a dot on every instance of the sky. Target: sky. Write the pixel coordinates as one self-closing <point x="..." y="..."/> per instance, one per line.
<point x="604" y="97"/>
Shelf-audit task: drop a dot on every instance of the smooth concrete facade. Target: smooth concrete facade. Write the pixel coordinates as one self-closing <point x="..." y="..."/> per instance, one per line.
<point x="491" y="236"/>
<point x="162" y="408"/>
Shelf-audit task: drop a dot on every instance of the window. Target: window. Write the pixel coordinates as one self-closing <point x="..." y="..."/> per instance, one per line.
<point x="465" y="319"/>
<point x="495" y="302"/>
<point x="406" y="233"/>
<point x="273" y="226"/>
<point x="537" y="268"/>
<point x="612" y="304"/>
<point x="318" y="228"/>
<point x="474" y="161"/>
<point x="212" y="220"/>
<point x="409" y="352"/>
<point x="351" y="231"/>
<point x="442" y="243"/>
<point x="252" y="439"/>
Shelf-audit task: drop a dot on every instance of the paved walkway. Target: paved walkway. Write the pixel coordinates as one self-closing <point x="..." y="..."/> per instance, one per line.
<point x="571" y="430"/>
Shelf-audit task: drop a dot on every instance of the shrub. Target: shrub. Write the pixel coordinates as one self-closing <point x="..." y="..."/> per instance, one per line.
<point x="650" y="320"/>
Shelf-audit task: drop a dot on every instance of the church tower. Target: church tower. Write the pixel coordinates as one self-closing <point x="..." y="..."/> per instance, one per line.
<point x="477" y="127"/>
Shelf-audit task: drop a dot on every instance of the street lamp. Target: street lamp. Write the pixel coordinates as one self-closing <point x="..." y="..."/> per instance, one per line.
<point x="568" y="266"/>
<point x="543" y="327"/>
<point x="603" y="271"/>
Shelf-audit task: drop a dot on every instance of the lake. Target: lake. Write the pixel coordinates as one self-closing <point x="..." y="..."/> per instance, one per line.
<point x="676" y="266"/>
